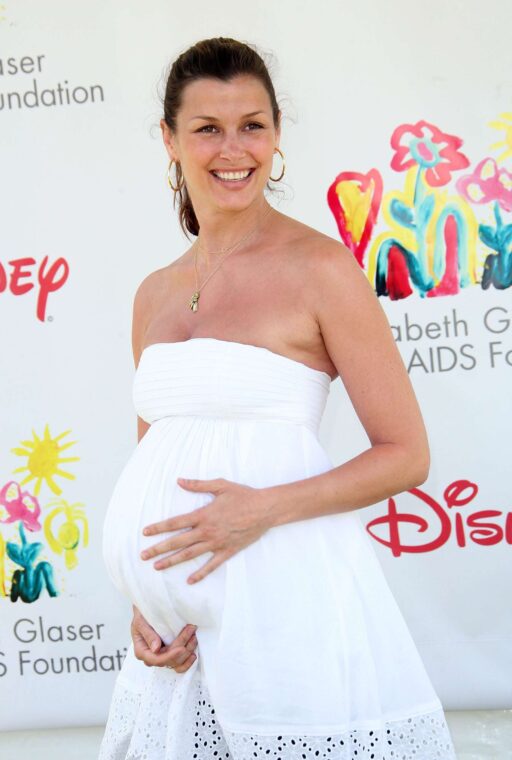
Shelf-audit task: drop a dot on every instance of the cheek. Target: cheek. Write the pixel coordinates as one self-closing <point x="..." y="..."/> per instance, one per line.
<point x="263" y="145"/>
<point x="199" y="154"/>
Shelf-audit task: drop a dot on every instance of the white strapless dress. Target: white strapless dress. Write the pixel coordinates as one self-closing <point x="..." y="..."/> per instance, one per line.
<point x="302" y="650"/>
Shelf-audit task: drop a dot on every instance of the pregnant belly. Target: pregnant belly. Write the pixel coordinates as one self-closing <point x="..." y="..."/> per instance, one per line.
<point x="253" y="453"/>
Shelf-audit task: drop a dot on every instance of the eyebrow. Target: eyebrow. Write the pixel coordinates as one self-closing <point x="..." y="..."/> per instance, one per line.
<point x="214" y="118"/>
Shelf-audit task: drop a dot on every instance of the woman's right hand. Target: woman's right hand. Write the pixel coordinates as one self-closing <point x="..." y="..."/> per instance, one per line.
<point x="149" y="647"/>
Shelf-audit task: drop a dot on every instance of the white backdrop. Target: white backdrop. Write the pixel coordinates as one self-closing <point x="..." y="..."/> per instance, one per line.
<point x="86" y="214"/>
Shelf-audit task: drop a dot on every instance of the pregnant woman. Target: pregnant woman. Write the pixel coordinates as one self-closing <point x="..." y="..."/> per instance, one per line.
<point x="229" y="516"/>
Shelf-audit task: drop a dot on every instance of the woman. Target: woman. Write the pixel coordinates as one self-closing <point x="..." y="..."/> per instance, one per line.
<point x="301" y="649"/>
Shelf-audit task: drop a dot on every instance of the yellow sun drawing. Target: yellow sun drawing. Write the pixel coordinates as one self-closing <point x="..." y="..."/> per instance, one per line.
<point x="44" y="460"/>
<point x="506" y="124"/>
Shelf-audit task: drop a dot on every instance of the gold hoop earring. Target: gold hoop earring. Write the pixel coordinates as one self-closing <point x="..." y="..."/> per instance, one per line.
<point x="282" y="171"/>
<point x="176" y="189"/>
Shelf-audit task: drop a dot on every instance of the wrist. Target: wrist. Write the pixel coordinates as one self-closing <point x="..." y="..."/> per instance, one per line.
<point x="267" y="507"/>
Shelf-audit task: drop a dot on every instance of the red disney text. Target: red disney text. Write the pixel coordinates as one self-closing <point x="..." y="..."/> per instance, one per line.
<point x="478" y="527"/>
<point x="49" y="279"/>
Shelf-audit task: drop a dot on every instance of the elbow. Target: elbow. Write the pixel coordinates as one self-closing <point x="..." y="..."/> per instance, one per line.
<point x="411" y="466"/>
<point x="420" y="467"/>
<point x="414" y="465"/>
<point x="421" y="479"/>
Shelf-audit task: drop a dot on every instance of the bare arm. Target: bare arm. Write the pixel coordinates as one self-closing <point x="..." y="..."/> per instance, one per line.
<point x="141" y="315"/>
<point x="147" y="644"/>
<point x="360" y="343"/>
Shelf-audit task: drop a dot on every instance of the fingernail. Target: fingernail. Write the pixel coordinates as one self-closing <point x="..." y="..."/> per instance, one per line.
<point x="154" y="646"/>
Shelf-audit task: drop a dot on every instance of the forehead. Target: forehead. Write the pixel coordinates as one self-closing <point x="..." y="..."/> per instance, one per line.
<point x="216" y="97"/>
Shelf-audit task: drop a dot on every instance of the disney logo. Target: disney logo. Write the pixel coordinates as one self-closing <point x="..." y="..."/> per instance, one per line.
<point x="478" y="527"/>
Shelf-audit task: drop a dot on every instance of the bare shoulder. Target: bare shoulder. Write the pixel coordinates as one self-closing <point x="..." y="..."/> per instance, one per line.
<point x="315" y="251"/>
<point x="325" y="267"/>
<point x="157" y="281"/>
<point x="341" y="298"/>
<point x="325" y="256"/>
<point x="147" y="296"/>
<point x="330" y="270"/>
<point x="329" y="280"/>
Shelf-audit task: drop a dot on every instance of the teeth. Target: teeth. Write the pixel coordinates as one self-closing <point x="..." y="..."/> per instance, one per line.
<point x="232" y="175"/>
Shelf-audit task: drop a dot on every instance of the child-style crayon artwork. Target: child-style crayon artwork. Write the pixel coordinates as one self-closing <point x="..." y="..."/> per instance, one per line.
<point x="434" y="238"/>
<point x="40" y="539"/>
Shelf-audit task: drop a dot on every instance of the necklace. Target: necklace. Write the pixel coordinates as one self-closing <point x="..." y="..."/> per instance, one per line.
<point x="193" y="303"/>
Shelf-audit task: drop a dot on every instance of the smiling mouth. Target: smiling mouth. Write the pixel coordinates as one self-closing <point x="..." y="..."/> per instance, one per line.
<point x="233" y="179"/>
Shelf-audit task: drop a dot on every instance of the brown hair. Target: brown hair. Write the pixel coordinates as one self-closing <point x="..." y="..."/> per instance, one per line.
<point x="222" y="58"/>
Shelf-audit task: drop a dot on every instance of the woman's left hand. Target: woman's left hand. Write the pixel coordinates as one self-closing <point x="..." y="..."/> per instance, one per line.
<point x="235" y="518"/>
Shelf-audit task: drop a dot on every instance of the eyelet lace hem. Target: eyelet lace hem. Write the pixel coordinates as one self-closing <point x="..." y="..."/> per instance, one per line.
<point x="174" y="720"/>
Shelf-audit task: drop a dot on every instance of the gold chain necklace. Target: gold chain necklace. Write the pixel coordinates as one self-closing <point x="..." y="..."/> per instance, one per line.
<point x="193" y="303"/>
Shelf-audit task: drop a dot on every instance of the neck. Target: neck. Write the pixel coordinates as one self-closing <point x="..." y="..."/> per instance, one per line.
<point x="221" y="229"/>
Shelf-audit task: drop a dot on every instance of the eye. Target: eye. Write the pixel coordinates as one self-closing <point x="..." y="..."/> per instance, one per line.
<point x="250" y="124"/>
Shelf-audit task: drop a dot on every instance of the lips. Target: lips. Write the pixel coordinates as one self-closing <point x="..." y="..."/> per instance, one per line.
<point x="249" y="169"/>
<point x="234" y="184"/>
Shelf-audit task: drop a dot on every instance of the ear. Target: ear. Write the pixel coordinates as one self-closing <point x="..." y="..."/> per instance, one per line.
<point x="169" y="140"/>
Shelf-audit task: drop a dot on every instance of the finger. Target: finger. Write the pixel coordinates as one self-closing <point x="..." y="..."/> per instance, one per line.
<point x="192" y="643"/>
<point x="141" y="628"/>
<point x="184" y="635"/>
<point x="149" y="635"/>
<point x="172" y="657"/>
<point x="207" y="568"/>
<point x="194" y="484"/>
<point x="139" y="642"/>
<point x="210" y="486"/>
<point x="141" y="649"/>
<point x="187" y="664"/>
<point x="179" y="649"/>
<point x="172" y="523"/>
<point x="190" y="552"/>
<point x="166" y="656"/>
<point x="179" y="658"/>
<point x="185" y="538"/>
<point x="149" y="656"/>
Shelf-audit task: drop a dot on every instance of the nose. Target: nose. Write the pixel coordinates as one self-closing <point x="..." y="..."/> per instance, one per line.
<point x="231" y="148"/>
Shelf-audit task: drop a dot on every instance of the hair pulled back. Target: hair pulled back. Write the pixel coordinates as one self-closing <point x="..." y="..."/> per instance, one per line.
<point x="222" y="58"/>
